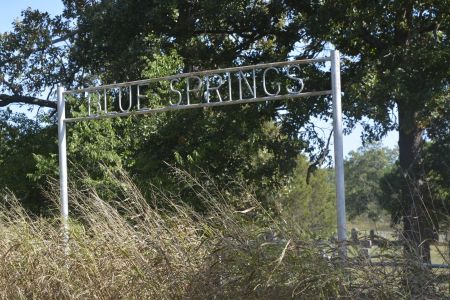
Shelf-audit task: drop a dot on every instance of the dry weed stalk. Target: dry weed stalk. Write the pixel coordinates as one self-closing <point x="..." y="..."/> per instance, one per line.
<point x="160" y="248"/>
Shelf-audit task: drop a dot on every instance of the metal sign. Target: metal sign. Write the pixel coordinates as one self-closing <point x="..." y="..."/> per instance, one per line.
<point x="198" y="89"/>
<point x="239" y="85"/>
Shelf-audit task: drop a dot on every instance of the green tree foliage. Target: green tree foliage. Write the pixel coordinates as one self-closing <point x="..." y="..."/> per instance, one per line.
<point x="437" y="161"/>
<point x="205" y="33"/>
<point x="231" y="144"/>
<point x="309" y="208"/>
<point x="207" y="143"/>
<point x="399" y="57"/>
<point x="364" y="169"/>
<point x="21" y="137"/>
<point x="256" y="144"/>
<point x="434" y="187"/>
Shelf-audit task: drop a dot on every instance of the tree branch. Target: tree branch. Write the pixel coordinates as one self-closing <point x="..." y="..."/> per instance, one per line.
<point x="6" y="100"/>
<point x="320" y="160"/>
<point x="367" y="37"/>
<point x="242" y="32"/>
<point x="65" y="37"/>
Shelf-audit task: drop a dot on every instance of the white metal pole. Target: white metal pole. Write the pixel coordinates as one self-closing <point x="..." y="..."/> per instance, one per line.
<point x="338" y="152"/>
<point x="64" y="202"/>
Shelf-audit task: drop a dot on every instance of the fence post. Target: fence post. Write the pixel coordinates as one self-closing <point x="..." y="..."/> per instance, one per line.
<point x="448" y="249"/>
<point x="64" y="202"/>
<point x="338" y="152"/>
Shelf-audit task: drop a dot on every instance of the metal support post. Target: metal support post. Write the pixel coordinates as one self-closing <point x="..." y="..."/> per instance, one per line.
<point x="64" y="203"/>
<point x="338" y="152"/>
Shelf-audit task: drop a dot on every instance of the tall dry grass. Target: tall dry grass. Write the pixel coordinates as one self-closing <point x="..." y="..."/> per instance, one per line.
<point x="163" y="250"/>
<point x="159" y="248"/>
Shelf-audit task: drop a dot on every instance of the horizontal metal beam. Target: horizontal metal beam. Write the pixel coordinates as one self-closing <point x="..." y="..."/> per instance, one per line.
<point x="396" y="264"/>
<point x="197" y="105"/>
<point x="200" y="73"/>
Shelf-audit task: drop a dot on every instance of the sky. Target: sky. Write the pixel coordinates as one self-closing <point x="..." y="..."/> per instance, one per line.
<point x="11" y="11"/>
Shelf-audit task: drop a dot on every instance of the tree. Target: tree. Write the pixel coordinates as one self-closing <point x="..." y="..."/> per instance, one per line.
<point x="32" y="59"/>
<point x="364" y="169"/>
<point x="398" y="57"/>
<point x="309" y="207"/>
<point x="397" y="54"/>
<point x="233" y="145"/>
<point x="19" y="138"/>
<point x="74" y="50"/>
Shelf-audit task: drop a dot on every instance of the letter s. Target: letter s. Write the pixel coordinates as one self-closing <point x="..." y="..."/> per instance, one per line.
<point x="172" y="89"/>
<point x="292" y="90"/>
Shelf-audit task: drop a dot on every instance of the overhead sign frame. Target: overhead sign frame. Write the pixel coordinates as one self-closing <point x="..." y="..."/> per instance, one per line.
<point x="97" y="108"/>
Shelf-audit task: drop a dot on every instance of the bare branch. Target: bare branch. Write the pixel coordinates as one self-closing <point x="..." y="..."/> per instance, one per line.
<point x="6" y="100"/>
<point x="65" y="37"/>
<point x="320" y="160"/>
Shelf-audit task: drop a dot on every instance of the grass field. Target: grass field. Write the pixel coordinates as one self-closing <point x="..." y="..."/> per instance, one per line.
<point x="439" y="250"/>
<point x="129" y="249"/>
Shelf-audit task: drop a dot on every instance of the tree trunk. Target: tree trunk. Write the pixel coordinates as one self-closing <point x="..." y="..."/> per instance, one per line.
<point x="417" y="227"/>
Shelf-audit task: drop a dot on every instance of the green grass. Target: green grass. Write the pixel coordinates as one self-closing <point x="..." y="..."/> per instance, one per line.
<point x="364" y="224"/>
